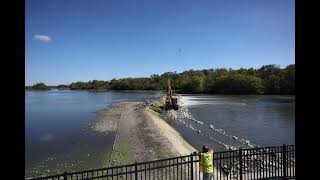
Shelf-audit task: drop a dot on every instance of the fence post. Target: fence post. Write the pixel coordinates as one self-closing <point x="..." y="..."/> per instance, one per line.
<point x="240" y="162"/>
<point x="135" y="171"/>
<point x="65" y="176"/>
<point x="284" y="161"/>
<point x="191" y="166"/>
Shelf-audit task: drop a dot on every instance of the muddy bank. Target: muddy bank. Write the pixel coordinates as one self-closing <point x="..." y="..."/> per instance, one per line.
<point x="140" y="134"/>
<point x="107" y="120"/>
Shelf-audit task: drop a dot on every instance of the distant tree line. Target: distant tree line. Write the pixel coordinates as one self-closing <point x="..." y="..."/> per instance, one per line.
<point x="38" y="86"/>
<point x="269" y="79"/>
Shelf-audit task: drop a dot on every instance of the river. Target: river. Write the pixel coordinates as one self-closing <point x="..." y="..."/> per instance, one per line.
<point x="57" y="138"/>
<point x="236" y="121"/>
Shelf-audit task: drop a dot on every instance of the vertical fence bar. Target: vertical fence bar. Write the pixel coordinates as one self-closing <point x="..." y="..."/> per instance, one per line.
<point x="157" y="170"/>
<point x="153" y="172"/>
<point x="274" y="162"/>
<point x="215" y="161"/>
<point x="251" y="164"/>
<point x="171" y="169"/>
<point x="141" y="173"/>
<point x="246" y="167"/>
<point x="149" y="171"/>
<point x="260" y="163"/>
<point x="269" y="163"/>
<point x="166" y="169"/>
<point x="220" y="155"/>
<point x="65" y="176"/>
<point x="112" y="174"/>
<point x="254" y="163"/>
<point x="263" y="163"/>
<point x="284" y="161"/>
<point x="278" y="162"/>
<point x="247" y="170"/>
<point x="135" y="171"/>
<point x="289" y="161"/>
<point x="186" y="168"/>
<point x="145" y="171"/>
<point x="160" y="169"/>
<point x="191" y="166"/>
<point x="181" y="168"/>
<point x="294" y="163"/>
<point x="240" y="163"/>
<point x="228" y="164"/>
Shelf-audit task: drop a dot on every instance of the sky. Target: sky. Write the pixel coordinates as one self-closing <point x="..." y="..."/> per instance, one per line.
<point x="82" y="40"/>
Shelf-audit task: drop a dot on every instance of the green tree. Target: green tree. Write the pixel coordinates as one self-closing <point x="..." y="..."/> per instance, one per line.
<point x="238" y="84"/>
<point x="40" y="86"/>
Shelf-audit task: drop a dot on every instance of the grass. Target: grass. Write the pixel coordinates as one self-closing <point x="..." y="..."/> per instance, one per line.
<point x="157" y="106"/>
<point x="123" y="154"/>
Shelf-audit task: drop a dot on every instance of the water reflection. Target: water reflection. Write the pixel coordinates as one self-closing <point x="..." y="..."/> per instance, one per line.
<point x="56" y="138"/>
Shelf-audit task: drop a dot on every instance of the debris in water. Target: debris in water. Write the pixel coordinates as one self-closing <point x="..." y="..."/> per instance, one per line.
<point x="235" y="137"/>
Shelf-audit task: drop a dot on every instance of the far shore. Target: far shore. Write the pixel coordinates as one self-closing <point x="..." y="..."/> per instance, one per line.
<point x="111" y="90"/>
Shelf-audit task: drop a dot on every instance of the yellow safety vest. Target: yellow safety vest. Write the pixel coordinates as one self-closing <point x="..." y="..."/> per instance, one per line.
<point x="206" y="162"/>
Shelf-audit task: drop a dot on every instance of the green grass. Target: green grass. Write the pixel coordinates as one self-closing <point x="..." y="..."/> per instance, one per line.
<point x="157" y="106"/>
<point x="123" y="154"/>
<point x="156" y="109"/>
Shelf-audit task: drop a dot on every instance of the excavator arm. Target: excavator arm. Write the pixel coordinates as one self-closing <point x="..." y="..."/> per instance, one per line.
<point x="170" y="102"/>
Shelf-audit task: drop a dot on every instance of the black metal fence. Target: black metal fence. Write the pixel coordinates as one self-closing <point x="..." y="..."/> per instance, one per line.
<point x="257" y="163"/>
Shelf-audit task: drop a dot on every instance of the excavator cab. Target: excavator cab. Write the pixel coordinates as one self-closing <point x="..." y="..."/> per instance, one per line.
<point x="170" y="102"/>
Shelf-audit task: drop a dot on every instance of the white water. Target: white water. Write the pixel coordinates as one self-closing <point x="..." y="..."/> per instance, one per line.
<point x="184" y="117"/>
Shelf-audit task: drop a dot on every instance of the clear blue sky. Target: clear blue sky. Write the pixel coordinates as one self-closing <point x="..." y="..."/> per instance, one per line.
<point x="71" y="40"/>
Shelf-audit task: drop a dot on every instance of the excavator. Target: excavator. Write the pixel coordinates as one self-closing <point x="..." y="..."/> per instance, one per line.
<point x="170" y="102"/>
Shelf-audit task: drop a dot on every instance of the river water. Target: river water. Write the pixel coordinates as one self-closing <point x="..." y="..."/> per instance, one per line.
<point x="57" y="138"/>
<point x="229" y="122"/>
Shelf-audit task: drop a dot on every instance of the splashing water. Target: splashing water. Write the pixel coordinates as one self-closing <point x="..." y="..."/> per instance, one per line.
<point x="183" y="114"/>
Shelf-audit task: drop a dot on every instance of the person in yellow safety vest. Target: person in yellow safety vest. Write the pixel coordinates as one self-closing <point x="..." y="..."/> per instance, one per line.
<point x="206" y="163"/>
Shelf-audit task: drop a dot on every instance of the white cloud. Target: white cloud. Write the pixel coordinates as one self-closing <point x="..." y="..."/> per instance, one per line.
<point x="43" y="38"/>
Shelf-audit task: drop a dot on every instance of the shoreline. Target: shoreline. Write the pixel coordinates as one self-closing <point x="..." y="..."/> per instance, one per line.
<point x="140" y="134"/>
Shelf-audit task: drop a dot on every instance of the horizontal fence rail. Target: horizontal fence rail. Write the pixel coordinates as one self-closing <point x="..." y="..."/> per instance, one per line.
<point x="242" y="164"/>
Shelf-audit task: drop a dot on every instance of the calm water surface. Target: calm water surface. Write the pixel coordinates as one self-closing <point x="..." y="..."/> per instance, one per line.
<point x="57" y="138"/>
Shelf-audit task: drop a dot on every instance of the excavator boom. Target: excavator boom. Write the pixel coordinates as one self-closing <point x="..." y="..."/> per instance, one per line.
<point x="170" y="102"/>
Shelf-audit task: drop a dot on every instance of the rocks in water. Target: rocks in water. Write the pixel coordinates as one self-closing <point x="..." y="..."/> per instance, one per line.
<point x="198" y="122"/>
<point x="233" y="148"/>
<point x="250" y="145"/>
<point x="147" y="103"/>
<point x="220" y="131"/>
<point x="192" y="128"/>
<point x="235" y="138"/>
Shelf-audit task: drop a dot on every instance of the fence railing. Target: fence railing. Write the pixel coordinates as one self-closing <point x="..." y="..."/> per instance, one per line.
<point x="256" y="163"/>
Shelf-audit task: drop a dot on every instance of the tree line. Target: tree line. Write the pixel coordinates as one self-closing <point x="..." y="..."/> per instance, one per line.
<point x="269" y="79"/>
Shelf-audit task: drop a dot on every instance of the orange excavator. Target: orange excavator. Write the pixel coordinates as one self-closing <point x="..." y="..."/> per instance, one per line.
<point x="170" y="102"/>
